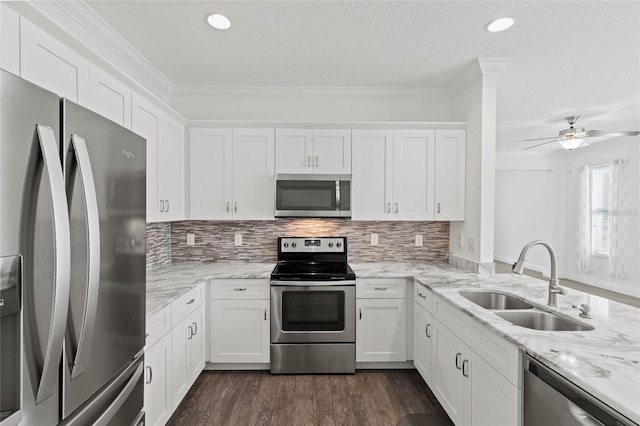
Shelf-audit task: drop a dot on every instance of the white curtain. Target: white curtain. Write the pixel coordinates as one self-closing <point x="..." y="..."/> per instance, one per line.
<point x="617" y="220"/>
<point x="583" y="243"/>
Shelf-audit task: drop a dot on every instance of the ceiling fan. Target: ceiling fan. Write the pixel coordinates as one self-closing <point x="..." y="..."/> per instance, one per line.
<point x="574" y="137"/>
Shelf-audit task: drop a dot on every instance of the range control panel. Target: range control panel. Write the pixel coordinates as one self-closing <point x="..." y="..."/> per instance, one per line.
<point x="313" y="245"/>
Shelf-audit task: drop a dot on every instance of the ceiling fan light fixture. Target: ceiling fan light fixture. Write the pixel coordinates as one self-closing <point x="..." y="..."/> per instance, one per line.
<point x="499" y="24"/>
<point x="571" y="143"/>
<point x="219" y="22"/>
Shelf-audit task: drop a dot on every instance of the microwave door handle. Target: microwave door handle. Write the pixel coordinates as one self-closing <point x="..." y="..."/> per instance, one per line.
<point x="85" y="340"/>
<point x="337" y="195"/>
<point x="62" y="246"/>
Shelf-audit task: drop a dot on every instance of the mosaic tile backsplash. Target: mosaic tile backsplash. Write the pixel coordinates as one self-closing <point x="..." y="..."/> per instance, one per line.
<point x="214" y="241"/>
<point x="158" y="244"/>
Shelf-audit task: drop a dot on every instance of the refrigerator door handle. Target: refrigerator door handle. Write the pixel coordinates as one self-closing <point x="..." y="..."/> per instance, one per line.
<point x="85" y="340"/>
<point x="62" y="246"/>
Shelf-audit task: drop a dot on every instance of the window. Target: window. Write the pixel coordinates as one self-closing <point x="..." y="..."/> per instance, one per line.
<point x="600" y="208"/>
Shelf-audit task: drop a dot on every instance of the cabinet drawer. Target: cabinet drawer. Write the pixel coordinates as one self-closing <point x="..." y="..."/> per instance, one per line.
<point x="374" y="288"/>
<point x="249" y="289"/>
<point x="422" y="295"/>
<point x="158" y="325"/>
<point x="186" y="304"/>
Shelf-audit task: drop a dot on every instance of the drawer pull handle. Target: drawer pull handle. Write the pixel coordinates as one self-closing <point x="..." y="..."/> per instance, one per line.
<point x="458" y="357"/>
<point x="426" y="330"/>
<point x="240" y="288"/>
<point x="422" y="295"/>
<point x="191" y="301"/>
<point x="380" y="288"/>
<point x="360" y="312"/>
<point x="150" y="375"/>
<point x="465" y="372"/>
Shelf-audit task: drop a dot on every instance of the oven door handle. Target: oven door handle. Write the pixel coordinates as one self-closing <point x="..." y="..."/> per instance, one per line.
<point x="300" y="283"/>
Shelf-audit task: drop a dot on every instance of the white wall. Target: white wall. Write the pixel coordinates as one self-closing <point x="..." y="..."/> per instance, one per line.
<point x="529" y="206"/>
<point x="595" y="154"/>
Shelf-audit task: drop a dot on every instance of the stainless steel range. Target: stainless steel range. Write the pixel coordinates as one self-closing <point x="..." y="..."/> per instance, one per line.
<point x="313" y="302"/>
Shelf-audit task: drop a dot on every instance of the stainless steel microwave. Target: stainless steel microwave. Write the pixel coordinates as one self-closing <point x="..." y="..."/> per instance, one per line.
<point x="299" y="195"/>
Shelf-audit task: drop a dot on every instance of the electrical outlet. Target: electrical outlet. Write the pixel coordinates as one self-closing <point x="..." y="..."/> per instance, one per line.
<point x="374" y="239"/>
<point x="472" y="243"/>
<point x="237" y="241"/>
<point x="460" y="241"/>
<point x="191" y="239"/>
<point x="418" y="240"/>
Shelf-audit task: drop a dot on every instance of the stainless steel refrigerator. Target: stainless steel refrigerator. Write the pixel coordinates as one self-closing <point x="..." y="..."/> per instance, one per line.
<point x="72" y="208"/>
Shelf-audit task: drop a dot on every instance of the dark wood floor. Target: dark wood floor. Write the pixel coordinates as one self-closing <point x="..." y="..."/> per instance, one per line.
<point x="369" y="397"/>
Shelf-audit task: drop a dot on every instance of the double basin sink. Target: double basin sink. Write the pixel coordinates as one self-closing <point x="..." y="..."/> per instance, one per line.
<point x="522" y="313"/>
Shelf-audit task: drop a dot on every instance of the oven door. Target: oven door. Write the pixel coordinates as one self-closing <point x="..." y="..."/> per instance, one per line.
<point x="313" y="313"/>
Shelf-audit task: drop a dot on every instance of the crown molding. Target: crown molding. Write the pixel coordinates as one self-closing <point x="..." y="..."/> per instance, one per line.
<point x="310" y="93"/>
<point x="103" y="43"/>
<point x="348" y="125"/>
<point x="478" y="68"/>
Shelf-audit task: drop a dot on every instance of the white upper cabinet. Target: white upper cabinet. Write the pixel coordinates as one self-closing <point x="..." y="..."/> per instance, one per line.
<point x="165" y="159"/>
<point x="408" y="174"/>
<point x="412" y="155"/>
<point x="9" y="39"/>
<point x="52" y="65"/>
<point x="231" y="174"/>
<point x="253" y="174"/>
<point x="308" y="151"/>
<point x="109" y="97"/>
<point x="372" y="186"/>
<point x="449" y="192"/>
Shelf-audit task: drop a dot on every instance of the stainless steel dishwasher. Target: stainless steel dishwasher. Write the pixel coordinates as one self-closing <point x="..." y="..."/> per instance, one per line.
<point x="550" y="399"/>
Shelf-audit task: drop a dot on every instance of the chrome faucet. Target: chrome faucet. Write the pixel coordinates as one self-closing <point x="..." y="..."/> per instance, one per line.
<point x="554" y="288"/>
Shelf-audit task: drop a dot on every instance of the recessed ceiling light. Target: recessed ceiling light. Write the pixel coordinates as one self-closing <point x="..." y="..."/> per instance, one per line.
<point x="500" y="24"/>
<point x="219" y="22"/>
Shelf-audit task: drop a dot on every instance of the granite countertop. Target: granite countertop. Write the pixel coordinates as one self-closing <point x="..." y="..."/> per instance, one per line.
<point x="604" y="362"/>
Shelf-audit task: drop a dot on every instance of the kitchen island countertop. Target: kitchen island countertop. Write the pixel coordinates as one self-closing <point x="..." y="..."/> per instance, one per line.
<point x="604" y="362"/>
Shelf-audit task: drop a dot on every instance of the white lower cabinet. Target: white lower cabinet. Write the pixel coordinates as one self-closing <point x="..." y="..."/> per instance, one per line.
<point x="470" y="390"/>
<point x="239" y="331"/>
<point x="381" y="320"/>
<point x="422" y="347"/>
<point x="188" y="352"/>
<point x="158" y="404"/>
<point x="239" y="321"/>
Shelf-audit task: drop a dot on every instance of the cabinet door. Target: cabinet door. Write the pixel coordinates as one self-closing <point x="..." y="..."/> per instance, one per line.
<point x="180" y="336"/>
<point x="253" y="174"/>
<point x="109" y="97"/>
<point x="381" y="330"/>
<point x="157" y="385"/>
<point x="412" y="196"/>
<point x="448" y="382"/>
<point x="371" y="192"/>
<point x="52" y="65"/>
<point x="449" y="189"/>
<point x="294" y="151"/>
<point x="196" y="344"/>
<point x="423" y="329"/>
<point x="332" y="151"/>
<point x="210" y="176"/>
<point x="9" y="39"/>
<point x="145" y="121"/>
<point x="489" y="398"/>
<point x="239" y="331"/>
<point x="171" y="170"/>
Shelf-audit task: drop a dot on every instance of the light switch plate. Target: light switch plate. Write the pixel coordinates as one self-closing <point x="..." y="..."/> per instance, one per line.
<point x="374" y="239"/>
<point x="460" y="241"/>
<point x="237" y="241"/>
<point x="472" y="243"/>
<point x="191" y="239"/>
<point x="418" y="240"/>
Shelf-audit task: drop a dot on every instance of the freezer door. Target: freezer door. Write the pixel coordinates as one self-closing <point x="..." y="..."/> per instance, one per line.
<point x="105" y="172"/>
<point x="34" y="224"/>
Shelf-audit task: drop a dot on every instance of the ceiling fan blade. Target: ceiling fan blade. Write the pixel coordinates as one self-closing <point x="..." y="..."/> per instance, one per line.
<point x="596" y="133"/>
<point x="540" y="144"/>
<point x="539" y="139"/>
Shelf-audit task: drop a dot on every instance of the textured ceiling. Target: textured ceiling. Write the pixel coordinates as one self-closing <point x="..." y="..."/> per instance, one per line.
<point x="568" y="57"/>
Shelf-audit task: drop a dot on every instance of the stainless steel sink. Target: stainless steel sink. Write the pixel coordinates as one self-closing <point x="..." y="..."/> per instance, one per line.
<point x="539" y="320"/>
<point x="493" y="300"/>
